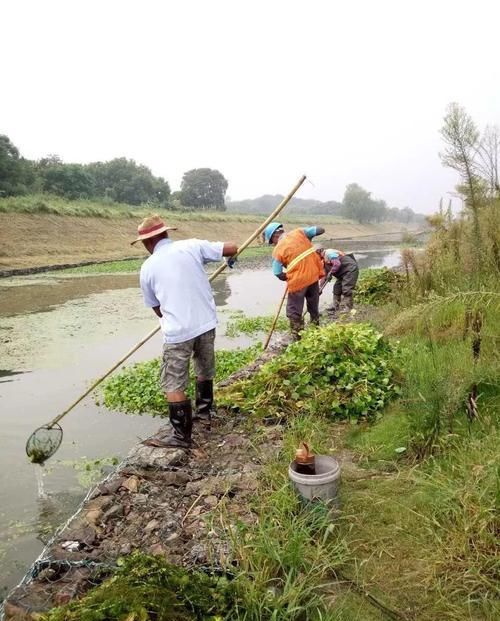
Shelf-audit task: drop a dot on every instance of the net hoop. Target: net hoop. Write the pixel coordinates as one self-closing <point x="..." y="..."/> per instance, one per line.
<point x="43" y="443"/>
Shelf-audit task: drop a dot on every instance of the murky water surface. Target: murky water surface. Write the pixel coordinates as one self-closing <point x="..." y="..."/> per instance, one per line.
<point x="57" y="334"/>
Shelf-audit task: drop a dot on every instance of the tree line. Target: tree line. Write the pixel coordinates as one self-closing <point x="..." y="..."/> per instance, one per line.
<point x="119" y="180"/>
<point x="122" y="180"/>
<point x="357" y="204"/>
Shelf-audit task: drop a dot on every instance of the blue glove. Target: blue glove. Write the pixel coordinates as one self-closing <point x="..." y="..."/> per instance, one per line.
<point x="231" y="261"/>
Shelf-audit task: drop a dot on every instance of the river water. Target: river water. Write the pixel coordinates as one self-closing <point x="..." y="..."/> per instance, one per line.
<point x="57" y="334"/>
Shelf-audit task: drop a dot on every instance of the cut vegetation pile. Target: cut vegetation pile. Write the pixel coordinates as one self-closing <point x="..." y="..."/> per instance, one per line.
<point x="339" y="370"/>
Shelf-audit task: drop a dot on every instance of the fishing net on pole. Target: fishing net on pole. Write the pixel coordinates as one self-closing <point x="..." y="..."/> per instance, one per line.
<point x="44" y="442"/>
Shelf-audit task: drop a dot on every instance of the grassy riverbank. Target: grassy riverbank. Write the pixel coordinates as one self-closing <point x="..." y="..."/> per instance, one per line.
<point x="45" y="230"/>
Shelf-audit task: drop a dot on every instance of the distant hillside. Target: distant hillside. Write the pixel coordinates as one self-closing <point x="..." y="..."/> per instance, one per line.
<point x="266" y="203"/>
<point x="364" y="210"/>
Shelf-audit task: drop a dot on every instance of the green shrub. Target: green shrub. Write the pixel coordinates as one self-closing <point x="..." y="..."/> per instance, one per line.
<point x="136" y="389"/>
<point x="376" y="285"/>
<point x="147" y="588"/>
<point x="344" y="370"/>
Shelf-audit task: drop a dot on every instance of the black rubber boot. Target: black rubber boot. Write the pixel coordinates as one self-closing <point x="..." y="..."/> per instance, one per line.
<point x="348" y="302"/>
<point x="204" y="402"/>
<point x="181" y="419"/>
<point x="336" y="304"/>
<point x="296" y="327"/>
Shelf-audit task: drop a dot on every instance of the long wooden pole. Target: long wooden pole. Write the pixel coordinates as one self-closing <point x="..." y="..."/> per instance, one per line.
<point x="267" y="221"/>
<point x="275" y="320"/>
<point x="213" y="276"/>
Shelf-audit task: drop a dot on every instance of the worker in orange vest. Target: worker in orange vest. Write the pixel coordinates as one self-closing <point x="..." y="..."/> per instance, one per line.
<point x="296" y="261"/>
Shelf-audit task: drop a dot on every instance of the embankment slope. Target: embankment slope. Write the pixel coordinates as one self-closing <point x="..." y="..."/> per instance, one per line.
<point x="36" y="240"/>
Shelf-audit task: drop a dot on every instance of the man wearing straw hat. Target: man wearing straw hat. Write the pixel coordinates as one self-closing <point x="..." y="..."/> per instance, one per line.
<point x="175" y="285"/>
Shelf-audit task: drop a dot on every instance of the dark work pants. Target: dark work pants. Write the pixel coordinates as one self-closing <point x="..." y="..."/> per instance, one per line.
<point x="347" y="277"/>
<point x="295" y="305"/>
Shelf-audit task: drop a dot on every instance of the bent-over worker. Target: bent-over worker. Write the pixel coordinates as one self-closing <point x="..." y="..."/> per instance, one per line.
<point x="175" y="285"/>
<point x="296" y="262"/>
<point x="346" y="271"/>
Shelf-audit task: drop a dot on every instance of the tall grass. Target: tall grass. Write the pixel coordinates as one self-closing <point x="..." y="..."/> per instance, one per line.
<point x="291" y="549"/>
<point x="426" y="533"/>
<point x="55" y="205"/>
<point x="462" y="492"/>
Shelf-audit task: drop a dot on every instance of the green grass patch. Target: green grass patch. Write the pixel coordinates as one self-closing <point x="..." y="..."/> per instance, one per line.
<point x="291" y="549"/>
<point x="132" y="266"/>
<point x="384" y="441"/>
<point x="136" y="389"/>
<point x="127" y="266"/>
<point x="437" y="524"/>
<point x="255" y="252"/>
<point x="343" y="370"/>
<point x="56" y="205"/>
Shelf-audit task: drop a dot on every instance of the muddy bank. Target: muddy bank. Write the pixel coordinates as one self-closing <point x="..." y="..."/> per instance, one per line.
<point x="27" y="271"/>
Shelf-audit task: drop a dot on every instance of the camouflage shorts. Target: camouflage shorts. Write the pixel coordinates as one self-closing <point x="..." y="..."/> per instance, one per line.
<point x="174" y="372"/>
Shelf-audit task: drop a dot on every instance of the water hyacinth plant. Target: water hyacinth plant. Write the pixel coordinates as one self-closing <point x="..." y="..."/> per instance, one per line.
<point x="136" y="389"/>
<point x="342" y="370"/>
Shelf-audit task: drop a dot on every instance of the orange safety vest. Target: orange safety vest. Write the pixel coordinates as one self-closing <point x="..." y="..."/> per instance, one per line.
<point x="308" y="269"/>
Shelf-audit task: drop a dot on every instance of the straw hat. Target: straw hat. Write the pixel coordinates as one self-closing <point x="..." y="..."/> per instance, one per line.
<point x="151" y="226"/>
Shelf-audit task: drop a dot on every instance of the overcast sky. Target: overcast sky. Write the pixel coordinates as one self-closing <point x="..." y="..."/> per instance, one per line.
<point x="264" y="91"/>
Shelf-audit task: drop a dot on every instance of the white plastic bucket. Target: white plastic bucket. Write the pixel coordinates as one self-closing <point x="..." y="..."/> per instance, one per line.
<point x="323" y="485"/>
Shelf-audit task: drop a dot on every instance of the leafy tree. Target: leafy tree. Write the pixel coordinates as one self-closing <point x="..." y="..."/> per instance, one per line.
<point x="125" y="181"/>
<point x="378" y="210"/>
<point x="358" y="203"/>
<point x="461" y="138"/>
<point x="204" y="188"/>
<point x="69" y="180"/>
<point x="406" y="215"/>
<point x="12" y="169"/>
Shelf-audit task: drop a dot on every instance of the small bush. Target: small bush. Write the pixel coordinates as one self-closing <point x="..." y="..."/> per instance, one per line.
<point x="147" y="588"/>
<point x="376" y="285"/>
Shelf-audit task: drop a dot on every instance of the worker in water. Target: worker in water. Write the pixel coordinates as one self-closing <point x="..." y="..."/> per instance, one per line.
<point x="344" y="268"/>
<point x="296" y="262"/>
<point x="175" y="285"/>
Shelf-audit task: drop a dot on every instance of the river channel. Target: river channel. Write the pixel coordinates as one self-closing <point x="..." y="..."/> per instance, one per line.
<point x="57" y="334"/>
